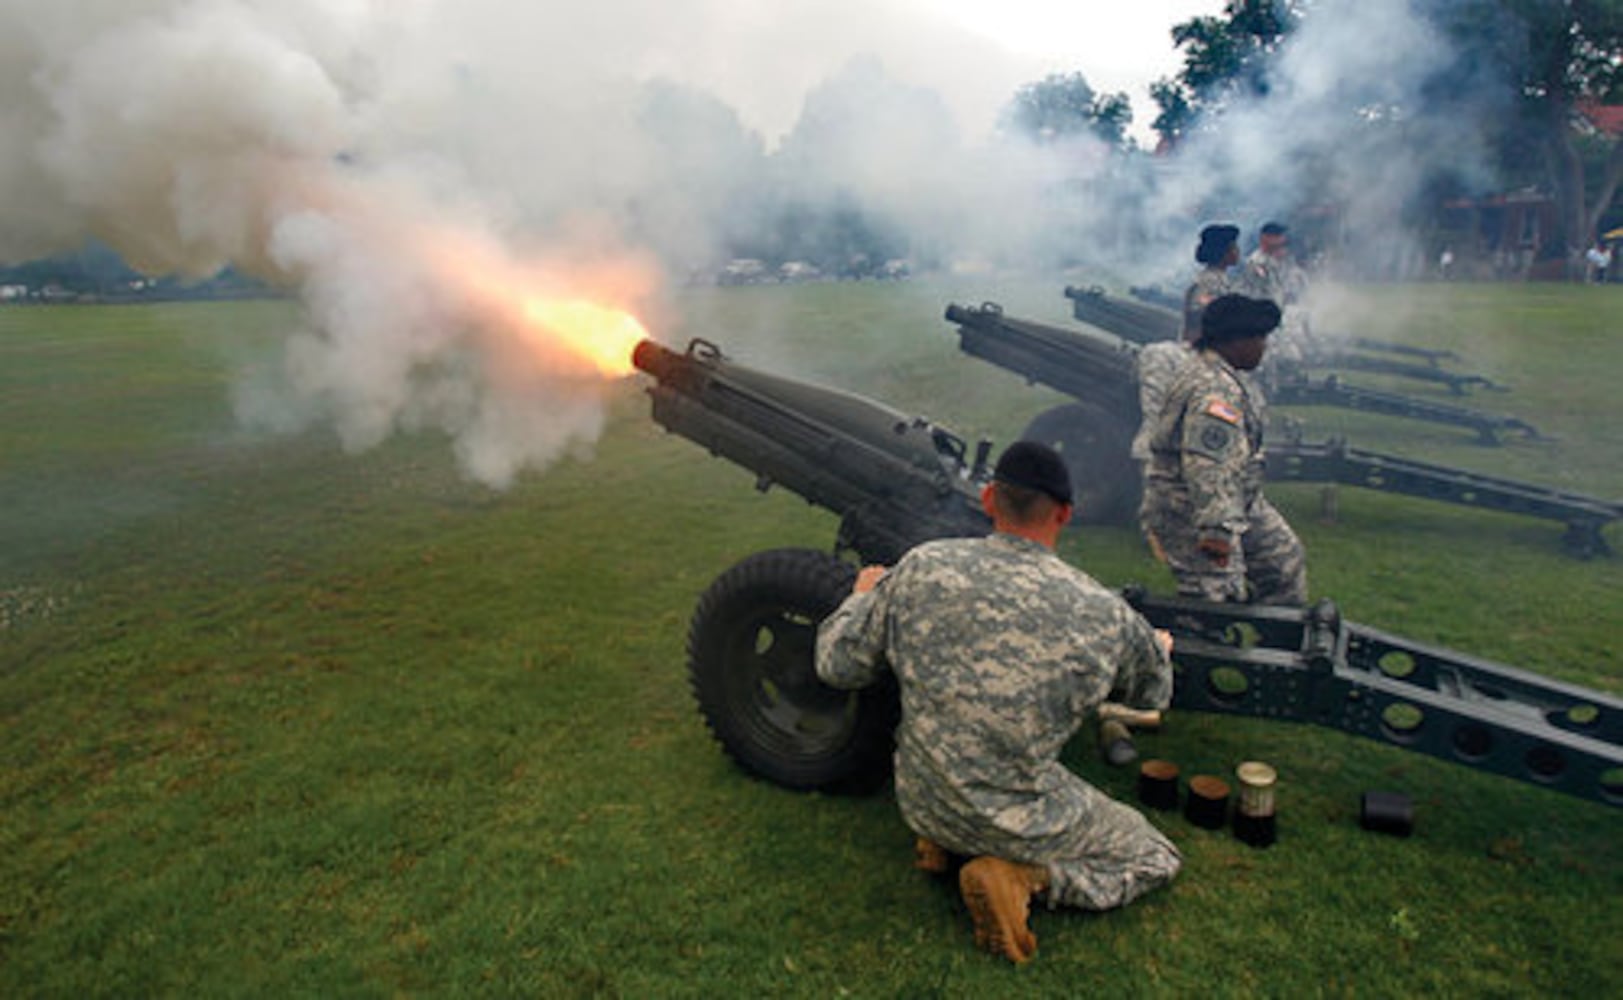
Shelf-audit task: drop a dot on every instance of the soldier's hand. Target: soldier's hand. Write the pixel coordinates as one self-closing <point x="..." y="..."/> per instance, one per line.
<point x="1163" y="638"/>
<point x="1217" y="549"/>
<point x="867" y="579"/>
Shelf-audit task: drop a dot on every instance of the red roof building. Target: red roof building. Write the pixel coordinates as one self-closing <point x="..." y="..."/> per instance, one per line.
<point x="1607" y="119"/>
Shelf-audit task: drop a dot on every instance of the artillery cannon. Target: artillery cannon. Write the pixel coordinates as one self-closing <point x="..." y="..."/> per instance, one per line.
<point x="894" y="480"/>
<point x="1292" y="384"/>
<point x="1144" y="323"/>
<point x="1155" y="295"/>
<point x="1095" y="434"/>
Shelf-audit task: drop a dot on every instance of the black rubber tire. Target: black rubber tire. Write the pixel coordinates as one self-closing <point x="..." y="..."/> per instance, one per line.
<point x="751" y="645"/>
<point x="1097" y="447"/>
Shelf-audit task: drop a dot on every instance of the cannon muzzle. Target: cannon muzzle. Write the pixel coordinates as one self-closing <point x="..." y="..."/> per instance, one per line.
<point x="656" y="360"/>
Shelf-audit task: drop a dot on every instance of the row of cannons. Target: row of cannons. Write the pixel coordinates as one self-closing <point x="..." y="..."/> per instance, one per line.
<point x="895" y="480"/>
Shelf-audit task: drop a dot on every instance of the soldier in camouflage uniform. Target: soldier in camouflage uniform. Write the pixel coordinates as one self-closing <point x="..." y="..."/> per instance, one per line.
<point x="1203" y="501"/>
<point x="1270" y="273"/>
<point x="1266" y="272"/>
<point x="1001" y="650"/>
<point x="1218" y="251"/>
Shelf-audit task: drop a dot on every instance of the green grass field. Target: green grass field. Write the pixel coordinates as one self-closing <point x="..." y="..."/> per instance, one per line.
<point x="283" y="720"/>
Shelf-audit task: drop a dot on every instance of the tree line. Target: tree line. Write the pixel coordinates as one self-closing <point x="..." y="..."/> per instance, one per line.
<point x="873" y="171"/>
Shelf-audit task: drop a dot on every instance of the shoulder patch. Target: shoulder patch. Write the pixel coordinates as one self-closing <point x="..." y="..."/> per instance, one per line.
<point x="1215" y="438"/>
<point x="1223" y="411"/>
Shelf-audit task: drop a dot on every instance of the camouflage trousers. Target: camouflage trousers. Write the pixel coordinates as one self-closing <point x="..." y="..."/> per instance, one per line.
<point x="1099" y="853"/>
<point x="1269" y="566"/>
<point x="1120" y="858"/>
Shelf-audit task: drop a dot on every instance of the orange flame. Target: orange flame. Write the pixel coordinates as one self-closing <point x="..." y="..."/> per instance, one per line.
<point x="600" y="335"/>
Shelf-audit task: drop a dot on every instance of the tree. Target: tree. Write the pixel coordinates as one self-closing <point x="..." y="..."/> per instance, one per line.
<point x="1520" y="72"/>
<point x="1223" y="57"/>
<point x="1558" y="55"/>
<point x="1063" y="105"/>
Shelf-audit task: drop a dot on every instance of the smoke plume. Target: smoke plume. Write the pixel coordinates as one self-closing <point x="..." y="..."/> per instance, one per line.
<point x="1367" y="104"/>
<point x="427" y="177"/>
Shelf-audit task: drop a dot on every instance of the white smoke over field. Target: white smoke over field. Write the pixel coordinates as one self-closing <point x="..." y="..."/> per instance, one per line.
<point x="422" y="174"/>
<point x="315" y="145"/>
<point x="1367" y="103"/>
<point x="434" y="180"/>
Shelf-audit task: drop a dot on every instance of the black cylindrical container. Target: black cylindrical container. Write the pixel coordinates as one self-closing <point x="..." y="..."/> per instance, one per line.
<point x="1257" y="831"/>
<point x="1386" y="812"/>
<point x="1254" y="816"/>
<point x="1208" y="804"/>
<point x="1158" y="784"/>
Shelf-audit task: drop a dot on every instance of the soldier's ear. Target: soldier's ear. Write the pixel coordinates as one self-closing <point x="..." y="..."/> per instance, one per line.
<point x="1064" y="513"/>
<point x="987" y="503"/>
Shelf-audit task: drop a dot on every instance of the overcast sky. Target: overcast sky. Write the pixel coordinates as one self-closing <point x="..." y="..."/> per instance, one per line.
<point x="422" y="172"/>
<point x="763" y="57"/>
<point x="976" y="53"/>
<point x="1118" y="46"/>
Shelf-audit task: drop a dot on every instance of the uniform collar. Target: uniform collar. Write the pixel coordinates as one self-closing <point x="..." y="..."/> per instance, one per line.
<point x="1217" y="361"/>
<point x="1220" y="363"/>
<point x="1025" y="544"/>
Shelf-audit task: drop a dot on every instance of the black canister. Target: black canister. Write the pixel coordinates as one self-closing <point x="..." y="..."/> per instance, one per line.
<point x="1208" y="803"/>
<point x="1386" y="812"/>
<point x="1254" y="815"/>
<point x="1158" y="784"/>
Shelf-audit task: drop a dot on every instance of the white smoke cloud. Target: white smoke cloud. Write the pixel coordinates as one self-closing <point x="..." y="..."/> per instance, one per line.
<point x="415" y="169"/>
<point x="418" y="170"/>
<point x="1354" y="122"/>
<point x="337" y="149"/>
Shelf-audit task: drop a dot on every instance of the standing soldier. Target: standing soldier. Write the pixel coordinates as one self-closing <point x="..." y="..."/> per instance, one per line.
<point x="1203" y="498"/>
<point x="1267" y="269"/>
<point x="1218" y="251"/>
<point x="1270" y="273"/>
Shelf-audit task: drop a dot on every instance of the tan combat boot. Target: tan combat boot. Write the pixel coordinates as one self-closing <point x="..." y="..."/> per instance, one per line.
<point x="929" y="856"/>
<point x="998" y="894"/>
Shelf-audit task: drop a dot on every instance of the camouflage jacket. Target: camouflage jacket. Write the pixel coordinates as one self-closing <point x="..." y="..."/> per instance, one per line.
<point x="1265" y="277"/>
<point x="1206" y="456"/>
<point x="1210" y="283"/>
<point x="1158" y="366"/>
<point x="1001" y="650"/>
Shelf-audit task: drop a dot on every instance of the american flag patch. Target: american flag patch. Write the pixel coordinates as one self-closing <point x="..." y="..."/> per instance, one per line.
<point x="1223" y="411"/>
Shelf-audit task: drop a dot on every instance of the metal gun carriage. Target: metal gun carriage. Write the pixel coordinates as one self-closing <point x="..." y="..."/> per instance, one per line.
<point x="1099" y="371"/>
<point x="896" y="480"/>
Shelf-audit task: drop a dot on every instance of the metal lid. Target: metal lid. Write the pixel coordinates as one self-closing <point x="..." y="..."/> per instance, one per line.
<point x="1256" y="774"/>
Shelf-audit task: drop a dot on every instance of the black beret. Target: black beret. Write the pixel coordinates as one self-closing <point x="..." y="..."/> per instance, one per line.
<point x="1274" y="229"/>
<point x="1034" y="466"/>
<point x="1215" y="242"/>
<point x="1234" y="317"/>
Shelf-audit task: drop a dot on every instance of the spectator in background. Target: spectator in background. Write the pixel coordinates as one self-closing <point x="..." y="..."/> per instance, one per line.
<point x="1600" y="261"/>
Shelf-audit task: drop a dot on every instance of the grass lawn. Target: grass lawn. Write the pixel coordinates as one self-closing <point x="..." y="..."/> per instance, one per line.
<point x="278" y="719"/>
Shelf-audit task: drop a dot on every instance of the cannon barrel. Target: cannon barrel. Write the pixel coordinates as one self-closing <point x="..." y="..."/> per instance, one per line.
<point x="1101" y="373"/>
<point x="1090" y="366"/>
<point x="897" y="481"/>
<point x="894" y="479"/>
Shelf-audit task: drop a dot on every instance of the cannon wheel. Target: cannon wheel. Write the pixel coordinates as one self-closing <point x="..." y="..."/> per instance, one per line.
<point x="750" y="660"/>
<point x="1096" y="446"/>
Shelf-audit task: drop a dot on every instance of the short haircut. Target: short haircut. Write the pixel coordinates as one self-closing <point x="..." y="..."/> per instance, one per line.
<point x="1021" y="504"/>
